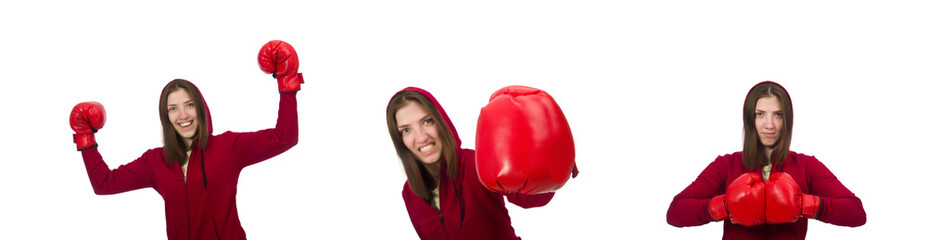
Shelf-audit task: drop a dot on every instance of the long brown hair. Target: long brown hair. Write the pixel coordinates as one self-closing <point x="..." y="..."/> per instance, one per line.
<point x="754" y="154"/>
<point x="420" y="180"/>
<point x="174" y="149"/>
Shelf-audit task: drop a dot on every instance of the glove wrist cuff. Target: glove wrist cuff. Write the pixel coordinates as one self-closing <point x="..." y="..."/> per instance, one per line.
<point x="290" y="83"/>
<point x="84" y="141"/>
<point x="810" y="205"/>
<point x="717" y="210"/>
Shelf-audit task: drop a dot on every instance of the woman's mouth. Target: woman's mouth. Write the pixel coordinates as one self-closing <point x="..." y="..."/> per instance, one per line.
<point x="427" y="149"/>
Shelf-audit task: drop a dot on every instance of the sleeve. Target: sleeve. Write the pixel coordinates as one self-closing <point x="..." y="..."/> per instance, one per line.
<point x="838" y="205"/>
<point x="254" y="147"/>
<point x="690" y="207"/>
<point x="128" y="177"/>
<point x="529" y="200"/>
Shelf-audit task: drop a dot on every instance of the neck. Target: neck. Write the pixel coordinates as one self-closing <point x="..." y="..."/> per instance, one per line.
<point x="434" y="169"/>
<point x="769" y="152"/>
<point x="188" y="142"/>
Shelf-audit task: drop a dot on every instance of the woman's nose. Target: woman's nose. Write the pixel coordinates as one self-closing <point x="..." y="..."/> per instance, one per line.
<point x="768" y="123"/>
<point x="420" y="135"/>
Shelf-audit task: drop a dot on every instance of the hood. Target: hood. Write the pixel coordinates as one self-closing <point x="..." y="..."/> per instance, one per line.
<point x="208" y="117"/>
<point x="786" y="127"/>
<point x="447" y="120"/>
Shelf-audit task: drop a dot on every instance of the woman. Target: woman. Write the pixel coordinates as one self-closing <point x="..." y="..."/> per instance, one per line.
<point x="766" y="191"/>
<point x="443" y="195"/>
<point x="195" y="172"/>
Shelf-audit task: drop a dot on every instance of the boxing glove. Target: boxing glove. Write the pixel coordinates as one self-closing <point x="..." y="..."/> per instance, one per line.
<point x="785" y="202"/>
<point x="745" y="199"/>
<point x="279" y="58"/>
<point x="86" y="118"/>
<point x="523" y="142"/>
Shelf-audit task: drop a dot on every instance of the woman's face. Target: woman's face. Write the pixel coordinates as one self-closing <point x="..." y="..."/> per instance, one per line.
<point x="182" y="113"/>
<point x="768" y="120"/>
<point x="419" y="132"/>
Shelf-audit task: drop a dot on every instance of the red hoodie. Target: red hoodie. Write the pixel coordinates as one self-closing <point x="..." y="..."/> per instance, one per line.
<point x="468" y="210"/>
<point x="838" y="205"/>
<point x="203" y="207"/>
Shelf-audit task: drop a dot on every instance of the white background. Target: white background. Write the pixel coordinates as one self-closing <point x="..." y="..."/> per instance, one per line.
<point x="652" y="90"/>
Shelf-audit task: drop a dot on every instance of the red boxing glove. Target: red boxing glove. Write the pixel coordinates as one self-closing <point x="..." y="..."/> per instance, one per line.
<point x="746" y="199"/>
<point x="785" y="202"/>
<point x="279" y="58"/>
<point x="523" y="142"/>
<point x="86" y="118"/>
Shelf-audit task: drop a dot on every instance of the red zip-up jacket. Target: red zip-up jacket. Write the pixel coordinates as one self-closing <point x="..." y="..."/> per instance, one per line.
<point x="203" y="207"/>
<point x="468" y="209"/>
<point x="838" y="205"/>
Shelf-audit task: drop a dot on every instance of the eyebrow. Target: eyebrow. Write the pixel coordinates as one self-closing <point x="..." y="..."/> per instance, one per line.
<point x="757" y="110"/>
<point x="188" y="101"/>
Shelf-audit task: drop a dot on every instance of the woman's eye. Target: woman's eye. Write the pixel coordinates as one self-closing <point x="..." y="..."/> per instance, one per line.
<point x="171" y="109"/>
<point x="404" y="130"/>
<point x="189" y="105"/>
<point x="759" y="114"/>
<point x="429" y="121"/>
<point x="778" y="115"/>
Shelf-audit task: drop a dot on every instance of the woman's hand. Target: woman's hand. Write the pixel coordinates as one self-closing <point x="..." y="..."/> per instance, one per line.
<point x="785" y="202"/>
<point x="279" y="58"/>
<point x="523" y="142"/>
<point x="86" y="118"/>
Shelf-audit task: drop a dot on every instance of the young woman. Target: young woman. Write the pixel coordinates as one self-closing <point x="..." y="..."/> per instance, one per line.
<point x="766" y="191"/>
<point x="195" y="172"/>
<point x="443" y="194"/>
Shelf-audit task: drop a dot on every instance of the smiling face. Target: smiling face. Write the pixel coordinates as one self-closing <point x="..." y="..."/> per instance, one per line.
<point x="181" y="111"/>
<point x="419" y="132"/>
<point x="768" y="120"/>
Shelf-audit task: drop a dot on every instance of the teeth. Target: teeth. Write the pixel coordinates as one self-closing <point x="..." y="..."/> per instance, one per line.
<point x="186" y="124"/>
<point x="426" y="148"/>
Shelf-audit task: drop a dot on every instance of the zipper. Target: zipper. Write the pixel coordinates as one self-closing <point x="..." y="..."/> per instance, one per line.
<point x="440" y="214"/>
<point x="444" y="181"/>
<point x="189" y="221"/>
<point x="446" y="235"/>
<point x="186" y="189"/>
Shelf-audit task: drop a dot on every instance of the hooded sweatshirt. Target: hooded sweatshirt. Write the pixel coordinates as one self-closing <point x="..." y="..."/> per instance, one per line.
<point x="204" y="206"/>
<point x="838" y="205"/>
<point x="467" y="209"/>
